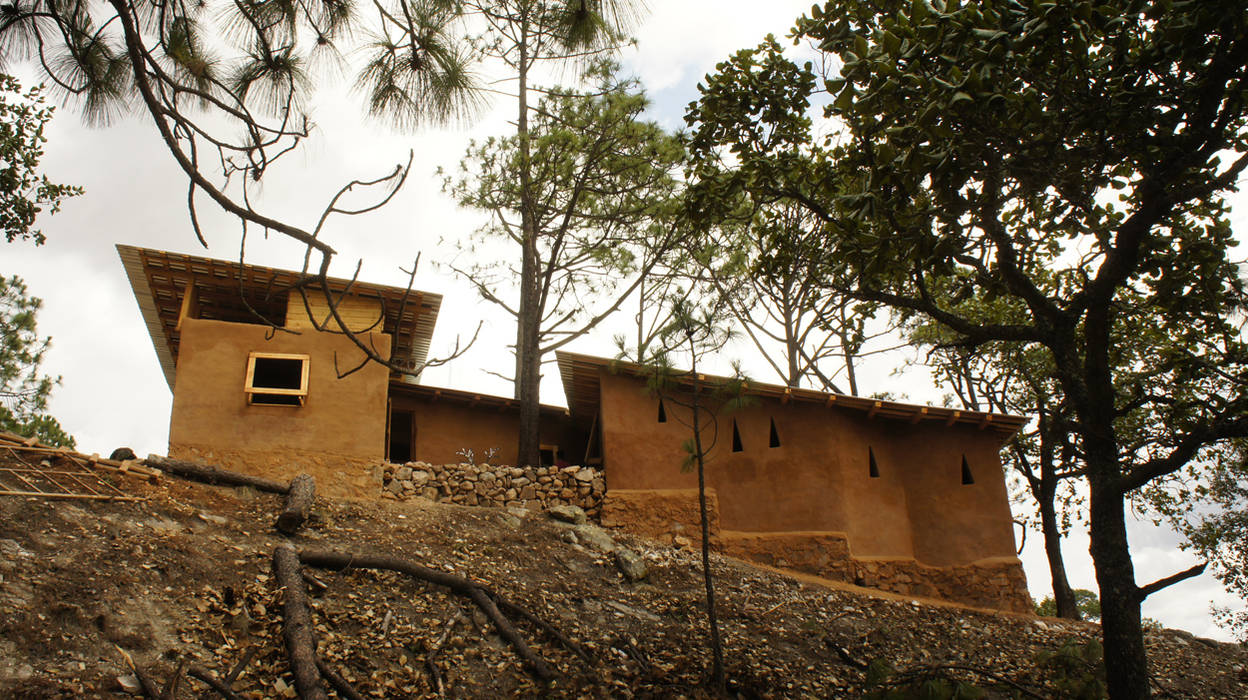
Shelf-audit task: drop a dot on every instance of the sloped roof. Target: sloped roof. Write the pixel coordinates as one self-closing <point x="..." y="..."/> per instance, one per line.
<point x="228" y="291"/>
<point x="580" y="383"/>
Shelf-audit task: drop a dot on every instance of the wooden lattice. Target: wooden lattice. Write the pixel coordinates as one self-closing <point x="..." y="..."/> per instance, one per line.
<point x="28" y="468"/>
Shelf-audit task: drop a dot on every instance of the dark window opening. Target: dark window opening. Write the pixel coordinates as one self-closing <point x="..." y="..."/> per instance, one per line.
<point x="774" y="440"/>
<point x="967" y="477"/>
<point x="277" y="380"/>
<point x="402" y="437"/>
<point x="873" y="467"/>
<point x="551" y="456"/>
<point x="736" y="437"/>
<point x="662" y="412"/>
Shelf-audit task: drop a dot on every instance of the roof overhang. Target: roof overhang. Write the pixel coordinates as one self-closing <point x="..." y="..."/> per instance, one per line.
<point x="580" y="375"/>
<point x="230" y="291"/>
<point x="433" y="394"/>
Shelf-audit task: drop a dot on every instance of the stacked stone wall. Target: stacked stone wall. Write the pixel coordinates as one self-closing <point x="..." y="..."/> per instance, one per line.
<point x="490" y="485"/>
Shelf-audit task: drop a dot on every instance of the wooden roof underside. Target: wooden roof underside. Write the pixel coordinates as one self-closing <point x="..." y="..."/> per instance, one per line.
<point x="227" y="291"/>
<point x="470" y="399"/>
<point x="580" y="375"/>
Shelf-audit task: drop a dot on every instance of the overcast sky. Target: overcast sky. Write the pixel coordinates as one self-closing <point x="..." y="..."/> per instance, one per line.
<point x="114" y="393"/>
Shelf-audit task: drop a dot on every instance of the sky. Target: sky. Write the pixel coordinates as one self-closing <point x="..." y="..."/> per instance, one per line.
<point x="113" y="392"/>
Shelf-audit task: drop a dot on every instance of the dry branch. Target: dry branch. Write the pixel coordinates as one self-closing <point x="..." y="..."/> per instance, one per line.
<point x="483" y="597"/>
<point x="298" y="504"/>
<point x="339" y="683"/>
<point x="210" y="474"/>
<point x="221" y="686"/>
<point x="297" y="624"/>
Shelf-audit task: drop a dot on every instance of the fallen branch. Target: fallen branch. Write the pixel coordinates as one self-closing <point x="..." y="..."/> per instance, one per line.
<point x="339" y="683"/>
<point x="297" y="624"/>
<point x="298" y="504"/>
<point x="478" y="594"/>
<point x="210" y="474"/>
<point x="221" y="686"/>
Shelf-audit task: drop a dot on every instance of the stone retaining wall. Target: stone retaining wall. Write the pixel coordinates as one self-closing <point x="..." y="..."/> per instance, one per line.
<point x="489" y="485"/>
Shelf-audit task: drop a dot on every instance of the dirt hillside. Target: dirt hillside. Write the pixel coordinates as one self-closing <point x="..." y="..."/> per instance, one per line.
<point x="183" y="577"/>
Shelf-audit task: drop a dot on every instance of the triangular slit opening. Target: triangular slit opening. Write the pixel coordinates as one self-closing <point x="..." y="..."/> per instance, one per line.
<point x="967" y="477"/>
<point x="662" y="412"/>
<point x="774" y="441"/>
<point x="736" y="437"/>
<point x="873" y="468"/>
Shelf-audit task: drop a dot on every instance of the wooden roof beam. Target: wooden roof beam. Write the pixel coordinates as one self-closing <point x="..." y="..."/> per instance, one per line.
<point x="953" y="417"/>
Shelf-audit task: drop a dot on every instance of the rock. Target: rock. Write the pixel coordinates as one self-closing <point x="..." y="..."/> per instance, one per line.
<point x="586" y="475"/>
<point x="682" y="541"/>
<point x="420" y="477"/>
<point x="509" y="520"/>
<point x="430" y="492"/>
<point x="630" y="564"/>
<point x="528" y="493"/>
<point x="122" y="454"/>
<point x="404" y="473"/>
<point x="395" y="486"/>
<point x="487" y="476"/>
<point x="598" y="485"/>
<point x="595" y="537"/>
<point x="567" y="514"/>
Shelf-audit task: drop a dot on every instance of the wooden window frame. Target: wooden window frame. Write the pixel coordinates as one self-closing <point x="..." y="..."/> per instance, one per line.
<point x="300" y="394"/>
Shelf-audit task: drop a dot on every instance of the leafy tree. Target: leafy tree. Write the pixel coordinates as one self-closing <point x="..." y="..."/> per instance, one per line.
<point x="599" y="203"/>
<point x="1071" y="159"/>
<point x="24" y="391"/>
<point x="524" y="35"/>
<point x="24" y="193"/>
<point x="1088" y="602"/>
<point x="761" y="268"/>
<point x="1014" y="379"/>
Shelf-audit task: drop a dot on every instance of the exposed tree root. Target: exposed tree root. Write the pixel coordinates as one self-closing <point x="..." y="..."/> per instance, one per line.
<point x="484" y="598"/>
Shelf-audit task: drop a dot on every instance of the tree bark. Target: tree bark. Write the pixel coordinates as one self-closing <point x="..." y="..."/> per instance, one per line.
<point x="1063" y="596"/>
<point x="297" y="624"/>
<point x="528" y="320"/>
<point x="1126" y="662"/>
<point x="298" y="504"/>
<point x="210" y="474"/>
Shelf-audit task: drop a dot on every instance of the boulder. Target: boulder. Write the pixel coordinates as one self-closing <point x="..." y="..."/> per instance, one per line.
<point x="586" y="475"/>
<point x="567" y="514"/>
<point x="595" y="537"/>
<point x="630" y="564"/>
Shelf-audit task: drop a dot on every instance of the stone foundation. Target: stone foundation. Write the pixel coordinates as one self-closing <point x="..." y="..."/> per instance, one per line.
<point x="660" y="514"/>
<point x="339" y="476"/>
<point x="665" y="515"/>
<point x="488" y="485"/>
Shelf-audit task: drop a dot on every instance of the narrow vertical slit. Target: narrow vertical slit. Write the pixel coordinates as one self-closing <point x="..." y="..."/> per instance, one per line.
<point x="873" y="468"/>
<point x="774" y="441"/>
<point x="967" y="477"/>
<point x="736" y="437"/>
<point x="662" y="412"/>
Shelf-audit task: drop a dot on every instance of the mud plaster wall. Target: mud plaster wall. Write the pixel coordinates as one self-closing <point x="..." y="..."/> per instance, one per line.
<point x="444" y="428"/>
<point x="338" y="434"/>
<point x="669" y="515"/>
<point x="818" y="479"/>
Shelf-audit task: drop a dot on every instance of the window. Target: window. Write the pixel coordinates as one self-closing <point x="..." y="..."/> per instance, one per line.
<point x="276" y="380"/>
<point x="774" y="441"/>
<point x="873" y="468"/>
<point x="967" y="477"/>
<point x="736" y="437"/>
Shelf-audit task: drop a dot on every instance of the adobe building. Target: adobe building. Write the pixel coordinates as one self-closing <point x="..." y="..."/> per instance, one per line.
<point x="894" y="496"/>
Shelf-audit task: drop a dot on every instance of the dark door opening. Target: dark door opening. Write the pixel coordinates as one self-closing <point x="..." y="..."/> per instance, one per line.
<point x="402" y="447"/>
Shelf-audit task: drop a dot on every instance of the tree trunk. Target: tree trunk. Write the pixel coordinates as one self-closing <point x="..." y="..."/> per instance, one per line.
<point x="529" y="317"/>
<point x="718" y="679"/>
<point x="298" y="504"/>
<point x="1063" y="596"/>
<point x="1126" y="663"/>
<point x="297" y="624"/>
<point x="210" y="474"/>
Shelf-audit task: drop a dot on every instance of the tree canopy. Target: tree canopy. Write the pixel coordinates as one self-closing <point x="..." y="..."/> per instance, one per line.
<point x="24" y="191"/>
<point x="1071" y="160"/>
<point x="24" y="390"/>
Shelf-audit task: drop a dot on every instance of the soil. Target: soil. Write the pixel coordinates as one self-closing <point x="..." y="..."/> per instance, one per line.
<point x="184" y="575"/>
